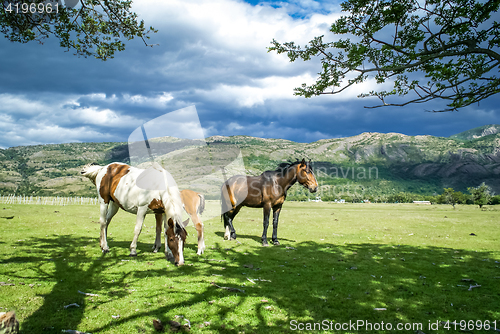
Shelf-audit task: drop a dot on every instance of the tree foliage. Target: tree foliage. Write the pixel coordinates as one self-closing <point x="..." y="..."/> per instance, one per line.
<point x="92" y="28"/>
<point x="481" y="195"/>
<point x="454" y="43"/>
<point x="450" y="196"/>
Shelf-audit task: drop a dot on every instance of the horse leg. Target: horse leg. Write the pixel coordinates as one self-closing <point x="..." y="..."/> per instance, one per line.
<point x="157" y="244"/>
<point x="267" y="212"/>
<point x="108" y="211"/>
<point x="104" y="227"/>
<point x="276" y="214"/>
<point x="227" y="234"/>
<point x="168" y="252"/>
<point x="141" y="213"/>
<point x="200" y="229"/>
<point x="228" y="223"/>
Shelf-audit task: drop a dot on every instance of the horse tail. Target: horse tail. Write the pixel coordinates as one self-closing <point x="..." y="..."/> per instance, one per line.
<point x="225" y="206"/>
<point x="90" y="171"/>
<point x="201" y="207"/>
<point x="230" y="194"/>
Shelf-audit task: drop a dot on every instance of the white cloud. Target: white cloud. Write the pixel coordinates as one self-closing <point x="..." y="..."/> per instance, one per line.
<point x="53" y="118"/>
<point x="103" y="117"/>
<point x="159" y="101"/>
<point x="31" y="134"/>
<point x="233" y="29"/>
<point x="20" y="105"/>
<point x="224" y="44"/>
<point x="56" y="134"/>
<point x="257" y="93"/>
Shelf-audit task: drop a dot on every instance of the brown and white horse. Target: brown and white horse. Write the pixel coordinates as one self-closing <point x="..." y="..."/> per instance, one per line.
<point x="194" y="204"/>
<point x="116" y="185"/>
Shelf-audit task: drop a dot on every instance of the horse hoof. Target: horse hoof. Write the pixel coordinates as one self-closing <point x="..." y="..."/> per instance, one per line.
<point x="276" y="243"/>
<point x="105" y="250"/>
<point x="265" y="244"/>
<point x="133" y="254"/>
<point x="233" y="236"/>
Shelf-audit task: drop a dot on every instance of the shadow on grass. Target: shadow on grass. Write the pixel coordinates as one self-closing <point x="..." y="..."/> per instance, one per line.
<point x="257" y="239"/>
<point x="307" y="282"/>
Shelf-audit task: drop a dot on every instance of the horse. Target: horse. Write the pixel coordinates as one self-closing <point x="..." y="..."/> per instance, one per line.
<point x="267" y="191"/>
<point x="194" y="204"/>
<point x="117" y="188"/>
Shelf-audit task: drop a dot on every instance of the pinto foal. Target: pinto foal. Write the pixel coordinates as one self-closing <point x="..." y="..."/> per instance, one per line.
<point x="194" y="204"/>
<point x="117" y="188"/>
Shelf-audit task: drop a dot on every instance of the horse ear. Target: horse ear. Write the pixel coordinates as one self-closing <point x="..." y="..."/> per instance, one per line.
<point x="185" y="223"/>
<point x="170" y="223"/>
<point x="303" y="162"/>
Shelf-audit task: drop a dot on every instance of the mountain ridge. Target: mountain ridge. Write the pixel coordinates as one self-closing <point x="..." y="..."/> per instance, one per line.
<point x="421" y="164"/>
<point x="478" y="132"/>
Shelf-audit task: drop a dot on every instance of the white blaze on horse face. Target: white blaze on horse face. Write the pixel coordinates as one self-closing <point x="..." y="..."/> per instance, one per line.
<point x="180" y="250"/>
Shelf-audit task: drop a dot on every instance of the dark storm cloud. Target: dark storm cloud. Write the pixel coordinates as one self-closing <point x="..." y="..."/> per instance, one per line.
<point x="211" y="54"/>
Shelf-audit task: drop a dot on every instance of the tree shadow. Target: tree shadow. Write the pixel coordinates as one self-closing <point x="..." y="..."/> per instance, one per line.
<point x="309" y="282"/>
<point x="73" y="274"/>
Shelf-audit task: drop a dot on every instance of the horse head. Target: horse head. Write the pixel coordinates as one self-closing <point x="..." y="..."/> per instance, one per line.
<point x="176" y="239"/>
<point x="306" y="177"/>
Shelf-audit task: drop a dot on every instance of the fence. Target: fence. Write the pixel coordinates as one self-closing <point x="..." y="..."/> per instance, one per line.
<point x="12" y="199"/>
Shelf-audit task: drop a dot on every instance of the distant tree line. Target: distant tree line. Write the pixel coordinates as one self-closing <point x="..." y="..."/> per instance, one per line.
<point x="481" y="195"/>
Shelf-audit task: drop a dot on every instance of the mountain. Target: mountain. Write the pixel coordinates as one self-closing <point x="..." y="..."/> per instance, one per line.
<point x="53" y="170"/>
<point x="369" y="164"/>
<point x="479" y="132"/>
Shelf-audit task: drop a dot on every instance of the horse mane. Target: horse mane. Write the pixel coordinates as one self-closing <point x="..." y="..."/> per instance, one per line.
<point x="90" y="171"/>
<point x="285" y="165"/>
<point x="282" y="167"/>
<point x="179" y="229"/>
<point x="173" y="207"/>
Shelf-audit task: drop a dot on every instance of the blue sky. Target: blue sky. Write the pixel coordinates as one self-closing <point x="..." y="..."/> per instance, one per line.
<point x="210" y="54"/>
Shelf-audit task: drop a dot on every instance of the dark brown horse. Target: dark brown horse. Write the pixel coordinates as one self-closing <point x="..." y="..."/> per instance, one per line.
<point x="266" y="191"/>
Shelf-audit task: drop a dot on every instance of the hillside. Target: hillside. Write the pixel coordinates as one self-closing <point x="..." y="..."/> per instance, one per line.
<point x="478" y="132"/>
<point x="53" y="170"/>
<point x="369" y="164"/>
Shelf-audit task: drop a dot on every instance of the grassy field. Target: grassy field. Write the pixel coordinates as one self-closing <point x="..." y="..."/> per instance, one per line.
<point x="337" y="263"/>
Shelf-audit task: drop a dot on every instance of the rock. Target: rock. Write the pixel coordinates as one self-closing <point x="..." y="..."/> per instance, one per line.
<point x="158" y="325"/>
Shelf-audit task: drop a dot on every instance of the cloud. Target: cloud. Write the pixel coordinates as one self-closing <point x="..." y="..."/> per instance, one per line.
<point x="257" y="93"/>
<point x="19" y="105"/>
<point x="18" y="135"/>
<point x="211" y="54"/>
<point x="55" y="118"/>
<point x="270" y="130"/>
<point x="159" y="101"/>
<point x="103" y="117"/>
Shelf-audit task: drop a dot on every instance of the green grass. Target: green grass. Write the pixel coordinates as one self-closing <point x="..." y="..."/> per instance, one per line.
<point x="336" y="262"/>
